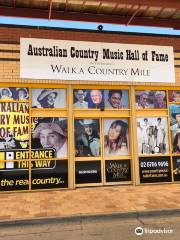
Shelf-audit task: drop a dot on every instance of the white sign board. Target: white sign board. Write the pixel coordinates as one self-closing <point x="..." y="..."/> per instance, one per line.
<point x="96" y="61"/>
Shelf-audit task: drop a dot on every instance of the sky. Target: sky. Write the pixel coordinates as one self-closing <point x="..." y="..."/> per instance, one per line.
<point x="86" y="26"/>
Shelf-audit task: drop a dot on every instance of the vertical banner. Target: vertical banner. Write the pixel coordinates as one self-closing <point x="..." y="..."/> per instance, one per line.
<point x="14" y="141"/>
<point x="14" y="125"/>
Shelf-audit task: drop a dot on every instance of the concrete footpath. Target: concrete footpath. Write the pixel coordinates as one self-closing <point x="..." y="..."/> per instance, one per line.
<point x="95" y="201"/>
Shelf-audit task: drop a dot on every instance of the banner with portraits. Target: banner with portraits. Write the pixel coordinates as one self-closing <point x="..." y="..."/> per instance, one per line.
<point x="152" y="135"/>
<point x="48" y="98"/>
<point x="14" y="94"/>
<point x="101" y="99"/>
<point x="14" y="125"/>
<point x="116" y="137"/>
<point x="150" y="99"/>
<point x="87" y="137"/>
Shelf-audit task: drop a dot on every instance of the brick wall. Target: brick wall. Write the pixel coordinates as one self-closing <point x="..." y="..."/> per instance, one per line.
<point x="10" y="40"/>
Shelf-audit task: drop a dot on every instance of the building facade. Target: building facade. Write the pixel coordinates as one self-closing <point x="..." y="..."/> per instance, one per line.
<point x="76" y="130"/>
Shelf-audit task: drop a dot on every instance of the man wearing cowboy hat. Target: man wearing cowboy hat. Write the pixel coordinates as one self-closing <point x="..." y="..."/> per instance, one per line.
<point x="159" y="101"/>
<point x="142" y="102"/>
<point x="47" y="98"/>
<point x="51" y="135"/>
<point x="80" y="95"/>
<point x="5" y="93"/>
<point x="176" y="115"/>
<point x="88" y="143"/>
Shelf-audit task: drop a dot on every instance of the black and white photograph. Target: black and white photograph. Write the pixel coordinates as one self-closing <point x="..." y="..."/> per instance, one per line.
<point x="16" y="94"/>
<point x="51" y="135"/>
<point x="87" y="137"/>
<point x="116" y="137"/>
<point x="48" y="98"/>
<point x="116" y="99"/>
<point x="150" y="99"/>
<point x="80" y="99"/>
<point x="174" y="111"/>
<point x="152" y="135"/>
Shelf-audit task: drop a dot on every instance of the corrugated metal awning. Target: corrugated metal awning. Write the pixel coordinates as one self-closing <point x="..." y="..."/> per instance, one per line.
<point x="161" y="13"/>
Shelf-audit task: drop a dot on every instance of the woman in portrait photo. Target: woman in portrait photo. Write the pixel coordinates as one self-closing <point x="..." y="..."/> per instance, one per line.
<point x="22" y="94"/>
<point x="174" y="96"/>
<point x="46" y="98"/>
<point x="176" y="143"/>
<point x="5" y="93"/>
<point x="115" y="142"/>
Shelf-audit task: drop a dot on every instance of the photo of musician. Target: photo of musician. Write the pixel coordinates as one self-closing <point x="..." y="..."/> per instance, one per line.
<point x="152" y="135"/>
<point x="87" y="140"/>
<point x="160" y="99"/>
<point x="176" y="143"/>
<point x="174" y="96"/>
<point x="22" y="94"/>
<point x="150" y="99"/>
<point x="48" y="98"/>
<point x="142" y="100"/>
<point x="95" y="98"/>
<point x="116" y="99"/>
<point x="174" y="120"/>
<point x="116" y="138"/>
<point x="5" y="94"/>
<point x="80" y="99"/>
<point x="51" y="135"/>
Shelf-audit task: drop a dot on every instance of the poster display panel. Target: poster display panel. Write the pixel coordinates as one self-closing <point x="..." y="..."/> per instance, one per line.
<point x="154" y="170"/>
<point x="116" y="138"/>
<point x="13" y="176"/>
<point x="116" y="99"/>
<point x="174" y="96"/>
<point x="14" y="94"/>
<point x="150" y="99"/>
<point x="89" y="99"/>
<point x="87" y="137"/>
<point x="50" y="133"/>
<point x="117" y="170"/>
<point x="48" y="98"/>
<point x="88" y="172"/>
<point x="176" y="168"/>
<point x="174" y="111"/>
<point x="152" y="135"/>
<point x="102" y="99"/>
<point x="54" y="174"/>
<point x="14" y="125"/>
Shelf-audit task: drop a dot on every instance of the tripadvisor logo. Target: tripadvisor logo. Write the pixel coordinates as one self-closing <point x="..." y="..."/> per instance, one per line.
<point x="139" y="231"/>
